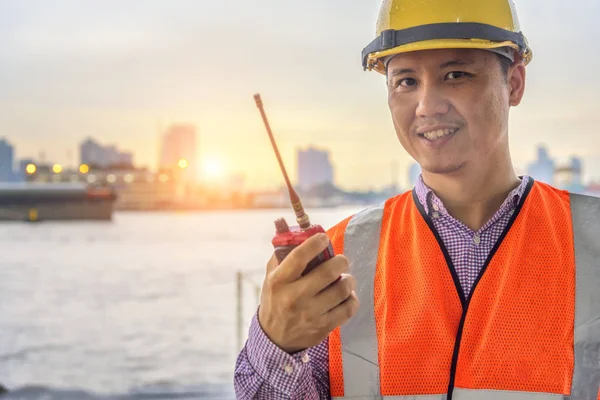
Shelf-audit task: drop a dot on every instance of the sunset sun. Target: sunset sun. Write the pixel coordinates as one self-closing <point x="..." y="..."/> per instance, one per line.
<point x="212" y="168"/>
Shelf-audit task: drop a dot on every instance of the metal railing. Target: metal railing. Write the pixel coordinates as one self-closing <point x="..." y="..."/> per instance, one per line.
<point x="242" y="278"/>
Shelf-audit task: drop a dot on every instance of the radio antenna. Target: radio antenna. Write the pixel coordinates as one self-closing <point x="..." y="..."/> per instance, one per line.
<point x="301" y="216"/>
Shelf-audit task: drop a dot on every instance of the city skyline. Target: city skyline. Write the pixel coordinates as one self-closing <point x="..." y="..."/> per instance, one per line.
<point x="72" y="70"/>
<point x="562" y="173"/>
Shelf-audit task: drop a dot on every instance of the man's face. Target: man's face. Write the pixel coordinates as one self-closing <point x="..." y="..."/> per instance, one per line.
<point x="450" y="107"/>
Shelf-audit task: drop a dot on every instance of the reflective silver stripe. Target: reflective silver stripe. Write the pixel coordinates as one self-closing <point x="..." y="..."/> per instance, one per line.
<point x="360" y="358"/>
<point x="472" y="394"/>
<point x="416" y="397"/>
<point x="585" y="212"/>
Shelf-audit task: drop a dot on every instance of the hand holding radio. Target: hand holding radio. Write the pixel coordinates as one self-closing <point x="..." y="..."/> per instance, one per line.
<point x="298" y="311"/>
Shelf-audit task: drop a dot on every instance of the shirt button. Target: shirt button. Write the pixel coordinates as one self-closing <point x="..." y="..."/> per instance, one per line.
<point x="305" y="359"/>
<point x="435" y="215"/>
<point x="289" y="369"/>
<point x="476" y="239"/>
<point x="436" y="207"/>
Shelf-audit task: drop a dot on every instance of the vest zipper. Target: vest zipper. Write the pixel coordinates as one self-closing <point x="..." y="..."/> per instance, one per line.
<point x="466" y="301"/>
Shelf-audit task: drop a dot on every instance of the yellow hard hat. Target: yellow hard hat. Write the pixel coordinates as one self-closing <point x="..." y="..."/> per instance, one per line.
<point x="411" y="25"/>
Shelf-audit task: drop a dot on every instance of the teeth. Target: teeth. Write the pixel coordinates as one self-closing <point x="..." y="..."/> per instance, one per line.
<point x="437" y="134"/>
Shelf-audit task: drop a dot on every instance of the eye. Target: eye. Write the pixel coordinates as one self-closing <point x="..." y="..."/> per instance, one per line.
<point x="406" y="82"/>
<point x="456" y="75"/>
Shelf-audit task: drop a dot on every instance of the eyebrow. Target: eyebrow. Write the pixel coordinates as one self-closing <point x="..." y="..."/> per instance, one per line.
<point x="456" y="62"/>
<point x="450" y="63"/>
<point x="400" y="71"/>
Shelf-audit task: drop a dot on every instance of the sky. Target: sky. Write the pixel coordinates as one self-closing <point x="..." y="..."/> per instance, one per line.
<point x="121" y="71"/>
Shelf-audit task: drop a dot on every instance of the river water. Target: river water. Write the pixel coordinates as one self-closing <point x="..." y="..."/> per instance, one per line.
<point x="142" y="307"/>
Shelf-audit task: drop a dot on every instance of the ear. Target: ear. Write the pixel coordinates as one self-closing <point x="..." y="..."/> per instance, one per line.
<point x="516" y="82"/>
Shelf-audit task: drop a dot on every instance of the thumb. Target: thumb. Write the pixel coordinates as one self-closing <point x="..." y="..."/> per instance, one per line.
<point x="293" y="265"/>
<point x="272" y="264"/>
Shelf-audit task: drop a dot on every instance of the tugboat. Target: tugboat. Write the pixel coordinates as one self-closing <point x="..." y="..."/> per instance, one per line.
<point x="34" y="202"/>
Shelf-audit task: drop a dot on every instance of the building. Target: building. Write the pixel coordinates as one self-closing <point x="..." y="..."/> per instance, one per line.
<point x="22" y="169"/>
<point x="126" y="159"/>
<point x="91" y="153"/>
<point x="94" y="154"/>
<point x="413" y="174"/>
<point x="568" y="177"/>
<point x="7" y="159"/>
<point x="593" y="189"/>
<point x="178" y="151"/>
<point x="577" y="168"/>
<point x="314" y="168"/>
<point x="542" y="169"/>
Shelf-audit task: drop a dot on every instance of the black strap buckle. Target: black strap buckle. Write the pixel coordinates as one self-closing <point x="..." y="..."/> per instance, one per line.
<point x="388" y="39"/>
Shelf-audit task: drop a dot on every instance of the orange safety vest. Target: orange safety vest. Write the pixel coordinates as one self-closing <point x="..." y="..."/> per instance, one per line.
<point x="529" y="330"/>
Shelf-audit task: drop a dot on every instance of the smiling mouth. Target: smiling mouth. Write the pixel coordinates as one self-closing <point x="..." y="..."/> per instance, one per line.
<point x="438" y="133"/>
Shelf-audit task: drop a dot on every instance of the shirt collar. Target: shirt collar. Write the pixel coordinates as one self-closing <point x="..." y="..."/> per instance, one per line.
<point x="432" y="203"/>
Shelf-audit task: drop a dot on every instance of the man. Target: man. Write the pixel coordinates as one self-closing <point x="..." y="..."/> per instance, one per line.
<point x="477" y="284"/>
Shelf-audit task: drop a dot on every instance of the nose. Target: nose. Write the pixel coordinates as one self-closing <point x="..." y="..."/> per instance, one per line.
<point x="432" y="102"/>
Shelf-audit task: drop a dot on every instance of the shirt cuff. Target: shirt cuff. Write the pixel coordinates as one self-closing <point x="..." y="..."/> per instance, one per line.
<point x="280" y="369"/>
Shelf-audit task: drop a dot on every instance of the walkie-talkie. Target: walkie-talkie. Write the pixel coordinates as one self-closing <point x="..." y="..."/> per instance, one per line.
<point x="288" y="237"/>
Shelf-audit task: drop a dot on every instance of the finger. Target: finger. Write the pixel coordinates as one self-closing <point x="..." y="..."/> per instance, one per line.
<point x="334" y="295"/>
<point x="293" y="265"/>
<point x="340" y="314"/>
<point x="323" y="276"/>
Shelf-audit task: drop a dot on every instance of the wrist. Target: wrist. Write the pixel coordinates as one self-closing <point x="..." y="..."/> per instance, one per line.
<point x="265" y="325"/>
<point x="272" y="363"/>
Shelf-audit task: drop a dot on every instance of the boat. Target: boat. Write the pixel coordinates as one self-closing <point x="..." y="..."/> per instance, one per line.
<point x="34" y="202"/>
